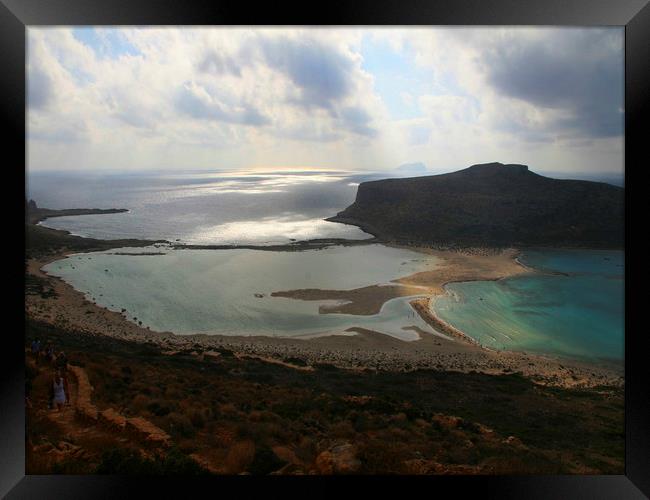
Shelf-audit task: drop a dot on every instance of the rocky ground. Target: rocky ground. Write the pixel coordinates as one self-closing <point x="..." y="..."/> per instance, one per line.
<point x="232" y="413"/>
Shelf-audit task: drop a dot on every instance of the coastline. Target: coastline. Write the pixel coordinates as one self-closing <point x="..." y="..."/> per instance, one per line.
<point x="365" y="349"/>
<point x="484" y="264"/>
<point x="37" y="215"/>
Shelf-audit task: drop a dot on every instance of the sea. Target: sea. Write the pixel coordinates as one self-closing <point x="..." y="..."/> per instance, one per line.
<point x="573" y="306"/>
<point x="224" y="207"/>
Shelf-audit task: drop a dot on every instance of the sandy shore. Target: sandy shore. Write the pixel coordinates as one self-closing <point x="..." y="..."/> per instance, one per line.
<point x="69" y="309"/>
<point x="453" y="267"/>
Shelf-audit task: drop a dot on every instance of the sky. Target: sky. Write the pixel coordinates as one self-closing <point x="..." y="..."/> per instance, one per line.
<point x="174" y="98"/>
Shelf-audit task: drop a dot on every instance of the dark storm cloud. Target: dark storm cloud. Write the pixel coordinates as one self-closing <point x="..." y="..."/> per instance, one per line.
<point x="580" y="71"/>
<point x="190" y="104"/>
<point x="322" y="74"/>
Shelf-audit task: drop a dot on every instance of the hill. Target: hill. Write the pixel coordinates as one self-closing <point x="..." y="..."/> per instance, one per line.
<point x="490" y="204"/>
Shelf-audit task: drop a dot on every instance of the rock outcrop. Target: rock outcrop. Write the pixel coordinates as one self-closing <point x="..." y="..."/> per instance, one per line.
<point x="490" y="205"/>
<point x="338" y="459"/>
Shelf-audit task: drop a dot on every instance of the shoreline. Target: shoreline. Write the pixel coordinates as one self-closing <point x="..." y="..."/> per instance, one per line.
<point x="37" y="215"/>
<point x="423" y="307"/>
<point x="484" y="264"/>
<point x="366" y="349"/>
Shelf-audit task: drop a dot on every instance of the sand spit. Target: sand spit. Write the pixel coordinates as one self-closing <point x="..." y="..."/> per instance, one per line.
<point x="455" y="266"/>
<point x="68" y="309"/>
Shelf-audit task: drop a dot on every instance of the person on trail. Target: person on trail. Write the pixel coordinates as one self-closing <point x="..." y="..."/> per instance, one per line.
<point x="36" y="348"/>
<point x="49" y="353"/>
<point x="60" y="391"/>
<point x="61" y="362"/>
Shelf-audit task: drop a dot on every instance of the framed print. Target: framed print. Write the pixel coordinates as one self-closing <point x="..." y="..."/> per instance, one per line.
<point x="378" y="244"/>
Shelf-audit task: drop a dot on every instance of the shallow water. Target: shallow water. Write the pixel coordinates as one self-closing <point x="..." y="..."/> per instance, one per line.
<point x="236" y="207"/>
<point x="214" y="291"/>
<point x="580" y="314"/>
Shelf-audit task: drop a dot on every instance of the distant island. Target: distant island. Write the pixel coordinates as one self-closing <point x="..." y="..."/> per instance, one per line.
<point x="490" y="204"/>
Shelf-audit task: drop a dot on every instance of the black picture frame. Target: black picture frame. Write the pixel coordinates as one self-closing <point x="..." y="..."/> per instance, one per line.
<point x="634" y="15"/>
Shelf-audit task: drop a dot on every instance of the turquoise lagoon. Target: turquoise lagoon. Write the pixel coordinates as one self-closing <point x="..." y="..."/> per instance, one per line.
<point x="228" y="291"/>
<point x="574" y="307"/>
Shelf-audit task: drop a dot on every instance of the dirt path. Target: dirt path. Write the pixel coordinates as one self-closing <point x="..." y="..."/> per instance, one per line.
<point x="79" y="431"/>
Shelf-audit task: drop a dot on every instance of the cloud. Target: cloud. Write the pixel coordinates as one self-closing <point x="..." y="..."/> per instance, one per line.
<point x="314" y="133"/>
<point x="66" y="133"/>
<point x="538" y="85"/>
<point x="578" y="74"/>
<point x="418" y="134"/>
<point x="412" y="169"/>
<point x="357" y="120"/>
<point x="219" y="64"/>
<point x="195" y="101"/>
<point x="321" y="74"/>
<point x="242" y="97"/>
<point x="39" y="89"/>
<point x="445" y="111"/>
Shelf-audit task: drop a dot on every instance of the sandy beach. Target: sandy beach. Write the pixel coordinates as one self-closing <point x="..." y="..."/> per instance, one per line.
<point x="470" y="265"/>
<point x="69" y="309"/>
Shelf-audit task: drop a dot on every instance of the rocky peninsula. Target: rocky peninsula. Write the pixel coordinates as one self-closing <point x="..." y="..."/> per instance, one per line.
<point x="491" y="204"/>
